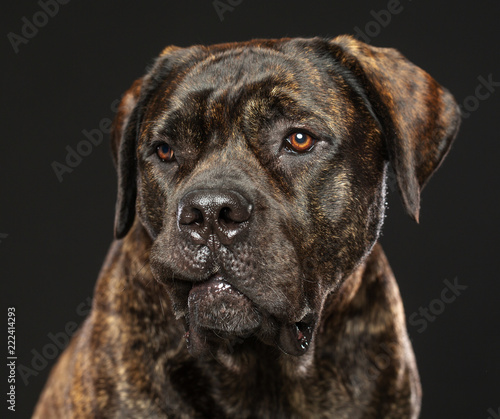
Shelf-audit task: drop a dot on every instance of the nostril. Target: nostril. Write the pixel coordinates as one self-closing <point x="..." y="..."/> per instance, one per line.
<point x="235" y="214"/>
<point x="225" y="216"/>
<point x="197" y="217"/>
<point x="190" y="216"/>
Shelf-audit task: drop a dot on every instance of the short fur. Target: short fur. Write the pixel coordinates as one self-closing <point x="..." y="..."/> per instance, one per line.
<point x="304" y="257"/>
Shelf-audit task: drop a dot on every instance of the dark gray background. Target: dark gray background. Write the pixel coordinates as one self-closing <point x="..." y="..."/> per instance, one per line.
<point x="65" y="78"/>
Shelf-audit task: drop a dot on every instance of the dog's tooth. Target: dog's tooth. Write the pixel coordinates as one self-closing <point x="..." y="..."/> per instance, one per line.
<point x="304" y="343"/>
<point x="300" y="335"/>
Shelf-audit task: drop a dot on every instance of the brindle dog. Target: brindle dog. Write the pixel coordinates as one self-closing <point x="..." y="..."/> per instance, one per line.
<point x="246" y="280"/>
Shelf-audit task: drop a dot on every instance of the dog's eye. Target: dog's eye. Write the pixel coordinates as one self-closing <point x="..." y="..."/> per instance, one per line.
<point x="165" y="152"/>
<point x="300" y="142"/>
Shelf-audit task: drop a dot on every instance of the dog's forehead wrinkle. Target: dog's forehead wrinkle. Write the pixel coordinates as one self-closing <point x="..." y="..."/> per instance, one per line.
<point x="223" y="69"/>
<point x="216" y="98"/>
<point x="233" y="71"/>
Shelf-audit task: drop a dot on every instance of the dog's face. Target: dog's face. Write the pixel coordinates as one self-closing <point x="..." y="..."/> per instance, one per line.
<point x="258" y="169"/>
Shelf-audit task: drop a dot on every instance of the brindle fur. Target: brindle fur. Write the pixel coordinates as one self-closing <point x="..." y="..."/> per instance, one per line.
<point x="311" y="246"/>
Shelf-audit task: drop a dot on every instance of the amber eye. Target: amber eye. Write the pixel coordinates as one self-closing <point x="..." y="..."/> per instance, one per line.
<point x="300" y="142"/>
<point x="165" y="152"/>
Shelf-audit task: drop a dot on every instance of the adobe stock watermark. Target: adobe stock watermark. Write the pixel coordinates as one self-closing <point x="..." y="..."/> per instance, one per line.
<point x="31" y="27"/>
<point x="93" y="138"/>
<point x="381" y="19"/>
<point x="223" y="6"/>
<point x="436" y="307"/>
<point x="483" y="91"/>
<point x="57" y="342"/>
<point x="493" y="414"/>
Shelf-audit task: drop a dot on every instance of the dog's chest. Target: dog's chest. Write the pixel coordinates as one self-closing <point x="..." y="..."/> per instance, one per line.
<point x="262" y="392"/>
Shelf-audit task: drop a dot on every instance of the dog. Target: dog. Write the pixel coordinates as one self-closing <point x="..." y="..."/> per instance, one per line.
<point x="246" y="279"/>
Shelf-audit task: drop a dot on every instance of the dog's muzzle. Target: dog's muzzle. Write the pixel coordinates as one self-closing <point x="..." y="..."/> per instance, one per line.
<point x="215" y="218"/>
<point x="220" y="220"/>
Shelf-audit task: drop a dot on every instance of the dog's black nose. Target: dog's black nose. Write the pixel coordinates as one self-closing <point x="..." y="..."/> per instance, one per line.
<point x="222" y="213"/>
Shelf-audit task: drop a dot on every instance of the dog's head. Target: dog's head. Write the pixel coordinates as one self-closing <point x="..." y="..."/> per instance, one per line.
<point x="259" y="169"/>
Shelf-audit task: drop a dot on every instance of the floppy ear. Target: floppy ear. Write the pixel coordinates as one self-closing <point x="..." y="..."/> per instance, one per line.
<point x="123" y="143"/>
<point x="124" y="133"/>
<point x="420" y="118"/>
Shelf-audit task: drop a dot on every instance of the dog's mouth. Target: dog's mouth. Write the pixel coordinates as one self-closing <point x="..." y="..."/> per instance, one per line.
<point x="295" y="338"/>
<point x="218" y="306"/>
<point x="220" y="316"/>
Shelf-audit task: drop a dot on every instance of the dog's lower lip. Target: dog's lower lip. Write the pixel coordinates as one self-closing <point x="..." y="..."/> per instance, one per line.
<point x="217" y="313"/>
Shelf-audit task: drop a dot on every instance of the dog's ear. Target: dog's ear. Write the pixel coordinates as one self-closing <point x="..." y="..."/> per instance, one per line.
<point x="125" y="130"/>
<point x="419" y="117"/>
<point x="123" y="143"/>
